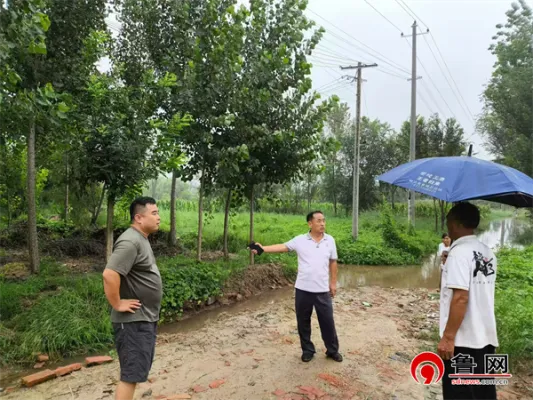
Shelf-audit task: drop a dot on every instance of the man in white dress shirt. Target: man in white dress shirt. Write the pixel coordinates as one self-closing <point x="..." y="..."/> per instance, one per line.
<point x="315" y="285"/>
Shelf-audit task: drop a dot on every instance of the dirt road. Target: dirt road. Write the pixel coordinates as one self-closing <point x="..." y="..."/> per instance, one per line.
<point x="255" y="354"/>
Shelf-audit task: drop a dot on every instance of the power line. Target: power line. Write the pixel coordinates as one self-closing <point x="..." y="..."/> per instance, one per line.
<point x="331" y="83"/>
<point x="432" y="81"/>
<point x="414" y="14"/>
<point x="405" y="10"/>
<point x="380" y="56"/>
<point x="337" y="57"/>
<point x="411" y="13"/>
<point x="446" y="66"/>
<point x="447" y="79"/>
<point x="383" y="16"/>
<point x="379" y="69"/>
<point x="432" y="98"/>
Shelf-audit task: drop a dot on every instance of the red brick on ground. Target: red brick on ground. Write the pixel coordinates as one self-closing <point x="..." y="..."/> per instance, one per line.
<point x="89" y="361"/>
<point x="39" y="365"/>
<point x="331" y="379"/>
<point x="67" y="369"/>
<point x="279" y="392"/>
<point x="199" y="389"/>
<point x="217" y="383"/>
<point x="43" y="357"/>
<point x="39" y="377"/>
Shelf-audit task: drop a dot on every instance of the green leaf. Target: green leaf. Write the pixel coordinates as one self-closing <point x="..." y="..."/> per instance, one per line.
<point x="37" y="48"/>
<point x="45" y="21"/>
<point x="62" y="107"/>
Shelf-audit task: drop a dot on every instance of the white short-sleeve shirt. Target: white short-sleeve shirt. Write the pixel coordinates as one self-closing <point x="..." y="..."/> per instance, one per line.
<point x="472" y="266"/>
<point x="313" y="262"/>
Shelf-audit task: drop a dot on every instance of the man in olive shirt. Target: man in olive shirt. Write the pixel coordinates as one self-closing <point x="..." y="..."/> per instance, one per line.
<point x="132" y="284"/>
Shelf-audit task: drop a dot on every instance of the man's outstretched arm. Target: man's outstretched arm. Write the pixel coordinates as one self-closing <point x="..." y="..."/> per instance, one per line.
<point x="275" y="248"/>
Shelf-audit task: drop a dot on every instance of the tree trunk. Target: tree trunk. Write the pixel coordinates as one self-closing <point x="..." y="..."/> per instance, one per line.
<point x="442" y="208"/>
<point x="109" y="227"/>
<point x="200" y="219"/>
<point x="435" y="214"/>
<point x="33" y="245"/>
<point x="172" y="233"/>
<point x="251" y="234"/>
<point x="226" y="220"/>
<point x="8" y="198"/>
<point x="309" y="193"/>
<point x="66" y="211"/>
<point x="96" y="212"/>
<point x="155" y="186"/>
<point x="335" y="187"/>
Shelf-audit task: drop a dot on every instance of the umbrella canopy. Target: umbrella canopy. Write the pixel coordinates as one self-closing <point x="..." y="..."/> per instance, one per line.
<point x="455" y="179"/>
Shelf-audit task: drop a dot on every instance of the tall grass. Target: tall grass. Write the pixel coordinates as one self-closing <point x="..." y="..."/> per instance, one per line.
<point x="513" y="303"/>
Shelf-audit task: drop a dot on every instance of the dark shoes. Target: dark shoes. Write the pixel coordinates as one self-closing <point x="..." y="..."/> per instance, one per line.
<point x="307" y="357"/>
<point x="336" y="357"/>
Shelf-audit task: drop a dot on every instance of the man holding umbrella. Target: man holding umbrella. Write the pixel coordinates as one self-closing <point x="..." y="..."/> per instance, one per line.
<point x="468" y="329"/>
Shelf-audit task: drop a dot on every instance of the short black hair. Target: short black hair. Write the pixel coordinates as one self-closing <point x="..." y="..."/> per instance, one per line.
<point x="139" y="203"/>
<point x="309" y="217"/>
<point x="466" y="214"/>
<point x="444" y="235"/>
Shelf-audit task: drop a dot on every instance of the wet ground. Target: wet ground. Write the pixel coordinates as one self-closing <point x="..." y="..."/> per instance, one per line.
<point x="384" y="316"/>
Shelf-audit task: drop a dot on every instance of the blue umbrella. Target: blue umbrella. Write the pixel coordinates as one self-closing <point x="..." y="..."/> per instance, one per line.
<point x="455" y="179"/>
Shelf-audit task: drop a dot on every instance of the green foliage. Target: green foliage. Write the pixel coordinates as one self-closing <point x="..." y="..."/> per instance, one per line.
<point x="507" y="119"/>
<point x="187" y="283"/>
<point x="513" y="303"/>
<point x="425" y="208"/>
<point x="65" y="315"/>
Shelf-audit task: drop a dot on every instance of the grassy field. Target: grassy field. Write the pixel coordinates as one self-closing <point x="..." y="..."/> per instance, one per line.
<point x="371" y="248"/>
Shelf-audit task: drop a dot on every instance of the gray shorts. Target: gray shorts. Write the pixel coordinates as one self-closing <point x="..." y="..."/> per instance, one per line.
<point x="135" y="343"/>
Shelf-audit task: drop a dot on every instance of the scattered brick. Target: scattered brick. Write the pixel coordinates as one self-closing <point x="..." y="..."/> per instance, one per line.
<point x="217" y="383"/>
<point x="39" y="377"/>
<point x="332" y="380"/>
<point x="89" y="361"/>
<point x="199" y="389"/>
<point x="61" y="371"/>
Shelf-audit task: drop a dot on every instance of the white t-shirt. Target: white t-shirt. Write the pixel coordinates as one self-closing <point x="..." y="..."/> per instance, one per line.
<point x="472" y="266"/>
<point x="313" y="262"/>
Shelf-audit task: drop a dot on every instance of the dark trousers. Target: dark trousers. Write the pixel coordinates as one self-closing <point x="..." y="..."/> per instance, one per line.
<point x="468" y="392"/>
<point x="304" y="303"/>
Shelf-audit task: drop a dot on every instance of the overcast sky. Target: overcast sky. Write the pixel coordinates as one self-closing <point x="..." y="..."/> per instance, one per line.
<point x="462" y="30"/>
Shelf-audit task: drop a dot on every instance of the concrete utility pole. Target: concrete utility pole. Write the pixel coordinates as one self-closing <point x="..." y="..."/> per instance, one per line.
<point x="413" y="121"/>
<point x="356" y="167"/>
